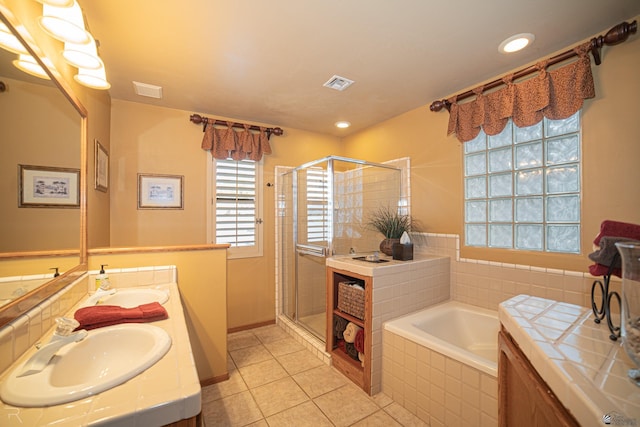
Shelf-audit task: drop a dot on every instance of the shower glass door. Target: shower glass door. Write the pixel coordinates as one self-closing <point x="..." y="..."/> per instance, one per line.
<point x="312" y="236"/>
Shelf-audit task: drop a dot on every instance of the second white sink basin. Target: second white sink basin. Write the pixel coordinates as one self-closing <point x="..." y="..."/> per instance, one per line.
<point x="107" y="357"/>
<point x="128" y="297"/>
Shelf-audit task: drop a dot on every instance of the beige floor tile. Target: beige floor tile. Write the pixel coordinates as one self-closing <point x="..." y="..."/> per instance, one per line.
<point x="346" y="405"/>
<point x="320" y="380"/>
<point x="299" y="361"/>
<point x="250" y="355"/>
<point x="262" y="373"/>
<point x="283" y="346"/>
<point x="304" y="415"/>
<point x="240" y="340"/>
<point x="278" y="396"/>
<point x="403" y="416"/>
<point x="382" y="400"/>
<point x="236" y="410"/>
<point x="378" y="419"/>
<point x="270" y="333"/>
<point x="235" y="384"/>
<point x="261" y="423"/>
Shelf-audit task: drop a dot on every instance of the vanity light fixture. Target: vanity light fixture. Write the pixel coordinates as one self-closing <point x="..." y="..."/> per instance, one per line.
<point x="343" y="124"/>
<point x="516" y="43"/>
<point x="83" y="55"/>
<point x="64" y="23"/>
<point x="29" y="65"/>
<point x="57" y="3"/>
<point x="8" y="41"/>
<point x="96" y="79"/>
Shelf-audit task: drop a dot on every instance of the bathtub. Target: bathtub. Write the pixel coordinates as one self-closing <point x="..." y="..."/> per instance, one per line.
<point x="441" y="364"/>
<point x="460" y="331"/>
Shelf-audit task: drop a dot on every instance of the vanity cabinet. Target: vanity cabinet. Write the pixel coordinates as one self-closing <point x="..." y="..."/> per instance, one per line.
<point x="524" y="399"/>
<point x="359" y="373"/>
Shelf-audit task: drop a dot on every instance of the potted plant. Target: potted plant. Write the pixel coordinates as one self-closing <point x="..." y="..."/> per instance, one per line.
<point x="391" y="224"/>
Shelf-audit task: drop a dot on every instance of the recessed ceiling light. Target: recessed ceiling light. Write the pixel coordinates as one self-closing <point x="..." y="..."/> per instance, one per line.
<point x="516" y="43"/>
<point x="342" y="124"/>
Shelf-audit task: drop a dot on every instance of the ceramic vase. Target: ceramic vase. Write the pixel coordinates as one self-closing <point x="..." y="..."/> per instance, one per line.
<point x="386" y="246"/>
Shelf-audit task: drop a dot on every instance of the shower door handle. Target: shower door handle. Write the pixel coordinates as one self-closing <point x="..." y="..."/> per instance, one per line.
<point x="319" y="251"/>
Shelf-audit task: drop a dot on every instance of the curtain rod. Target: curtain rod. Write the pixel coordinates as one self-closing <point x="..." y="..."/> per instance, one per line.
<point x="197" y="119"/>
<point x="615" y="35"/>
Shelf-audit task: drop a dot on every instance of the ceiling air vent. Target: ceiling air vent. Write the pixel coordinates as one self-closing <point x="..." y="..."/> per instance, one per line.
<point x="144" y="89"/>
<point x="338" y="83"/>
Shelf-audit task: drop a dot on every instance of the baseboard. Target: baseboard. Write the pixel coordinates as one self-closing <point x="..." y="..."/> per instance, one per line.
<point x="214" y="380"/>
<point x="251" y="326"/>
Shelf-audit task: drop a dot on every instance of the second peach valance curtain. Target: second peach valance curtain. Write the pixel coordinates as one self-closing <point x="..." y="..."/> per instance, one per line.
<point x="555" y="94"/>
<point x="227" y="143"/>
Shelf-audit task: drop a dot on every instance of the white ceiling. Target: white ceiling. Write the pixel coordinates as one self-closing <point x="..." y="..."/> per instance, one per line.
<point x="266" y="61"/>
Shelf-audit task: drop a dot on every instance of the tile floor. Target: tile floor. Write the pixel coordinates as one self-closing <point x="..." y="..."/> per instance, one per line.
<point x="276" y="381"/>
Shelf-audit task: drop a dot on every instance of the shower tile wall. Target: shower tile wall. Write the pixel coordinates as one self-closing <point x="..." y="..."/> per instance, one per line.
<point x="358" y="193"/>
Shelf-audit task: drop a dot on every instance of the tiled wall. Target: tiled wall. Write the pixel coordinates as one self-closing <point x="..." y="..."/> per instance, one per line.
<point x="19" y="335"/>
<point x="486" y="284"/>
<point x="420" y="285"/>
<point x="439" y="390"/>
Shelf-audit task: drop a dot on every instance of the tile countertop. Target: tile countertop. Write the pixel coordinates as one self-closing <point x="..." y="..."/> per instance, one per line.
<point x="574" y="355"/>
<point x="367" y="268"/>
<point x="168" y="391"/>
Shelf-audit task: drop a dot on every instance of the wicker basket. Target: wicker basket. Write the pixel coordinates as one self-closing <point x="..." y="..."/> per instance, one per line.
<point x="351" y="299"/>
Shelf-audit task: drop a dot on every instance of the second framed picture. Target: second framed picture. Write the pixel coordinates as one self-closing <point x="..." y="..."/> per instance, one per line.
<point x="160" y="191"/>
<point x="101" y="167"/>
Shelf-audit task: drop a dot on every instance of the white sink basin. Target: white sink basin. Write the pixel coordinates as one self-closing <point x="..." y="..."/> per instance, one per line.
<point x="107" y="357"/>
<point x="128" y="297"/>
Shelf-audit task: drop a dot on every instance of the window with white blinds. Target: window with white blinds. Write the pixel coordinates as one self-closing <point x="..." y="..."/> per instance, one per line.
<point x="317" y="206"/>
<point x="238" y="211"/>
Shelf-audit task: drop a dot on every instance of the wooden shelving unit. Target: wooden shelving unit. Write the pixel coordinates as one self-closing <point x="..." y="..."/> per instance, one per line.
<point x="351" y="368"/>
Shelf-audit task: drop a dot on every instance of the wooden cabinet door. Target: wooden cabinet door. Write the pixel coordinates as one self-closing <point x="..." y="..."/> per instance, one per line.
<point x="524" y="399"/>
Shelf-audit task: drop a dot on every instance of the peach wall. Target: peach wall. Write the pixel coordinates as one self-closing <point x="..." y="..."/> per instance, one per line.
<point x="151" y="139"/>
<point x="202" y="284"/>
<point x="610" y="129"/>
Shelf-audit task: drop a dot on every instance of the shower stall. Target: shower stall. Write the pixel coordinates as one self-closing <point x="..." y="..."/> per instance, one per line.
<point x="322" y="210"/>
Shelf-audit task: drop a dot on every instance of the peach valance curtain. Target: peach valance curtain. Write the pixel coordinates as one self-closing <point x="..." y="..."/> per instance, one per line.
<point x="555" y="94"/>
<point x="225" y="142"/>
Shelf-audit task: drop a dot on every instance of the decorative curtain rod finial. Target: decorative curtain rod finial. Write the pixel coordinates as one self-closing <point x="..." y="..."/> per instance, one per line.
<point x="615" y="35"/>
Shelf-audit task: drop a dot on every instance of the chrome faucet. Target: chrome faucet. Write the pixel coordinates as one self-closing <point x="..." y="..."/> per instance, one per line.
<point x="62" y="336"/>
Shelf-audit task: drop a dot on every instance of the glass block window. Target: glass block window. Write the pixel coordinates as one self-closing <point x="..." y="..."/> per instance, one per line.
<point x="522" y="187"/>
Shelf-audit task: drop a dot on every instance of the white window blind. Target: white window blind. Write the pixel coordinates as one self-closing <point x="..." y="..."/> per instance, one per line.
<point x="317" y="206"/>
<point x="237" y="207"/>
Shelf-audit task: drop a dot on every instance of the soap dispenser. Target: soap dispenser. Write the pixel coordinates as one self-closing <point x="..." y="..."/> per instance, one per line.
<point x="102" y="279"/>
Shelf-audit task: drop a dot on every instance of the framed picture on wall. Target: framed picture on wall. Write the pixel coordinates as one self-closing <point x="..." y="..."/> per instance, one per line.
<point x="101" y="168"/>
<point x="48" y="187"/>
<point x="160" y="191"/>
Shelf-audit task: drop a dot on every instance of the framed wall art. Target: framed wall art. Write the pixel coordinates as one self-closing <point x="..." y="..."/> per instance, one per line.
<point x="101" y="168"/>
<point x="160" y="191"/>
<point x="48" y="187"/>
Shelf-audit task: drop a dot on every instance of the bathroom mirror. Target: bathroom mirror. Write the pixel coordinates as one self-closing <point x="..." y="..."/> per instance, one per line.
<point x="43" y="129"/>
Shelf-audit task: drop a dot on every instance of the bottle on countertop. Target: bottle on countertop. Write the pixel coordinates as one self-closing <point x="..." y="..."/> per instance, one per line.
<point x="102" y="279"/>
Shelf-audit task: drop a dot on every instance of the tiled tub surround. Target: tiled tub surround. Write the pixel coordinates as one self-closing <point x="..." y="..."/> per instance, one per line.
<point x="444" y="380"/>
<point x="575" y="357"/>
<point x="399" y="288"/>
<point x="439" y="390"/>
<point x="151" y="398"/>
<point x="487" y="283"/>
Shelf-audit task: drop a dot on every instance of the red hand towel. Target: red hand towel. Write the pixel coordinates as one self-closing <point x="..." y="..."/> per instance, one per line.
<point x="359" y="342"/>
<point x="106" y="315"/>
<point x="617" y="229"/>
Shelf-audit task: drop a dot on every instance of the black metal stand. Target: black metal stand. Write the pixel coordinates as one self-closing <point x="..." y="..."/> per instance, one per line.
<point x="604" y="311"/>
